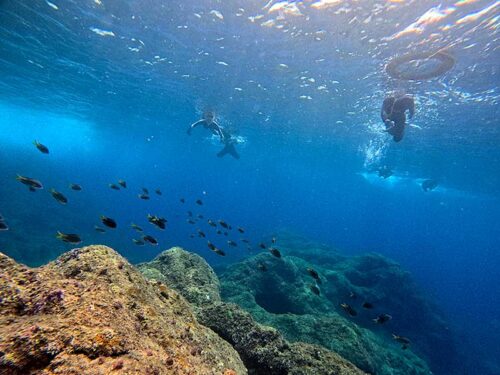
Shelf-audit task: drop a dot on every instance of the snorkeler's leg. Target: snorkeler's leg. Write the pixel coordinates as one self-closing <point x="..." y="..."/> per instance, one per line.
<point x="229" y="149"/>
<point x="398" y="131"/>
<point x="232" y="150"/>
<point x="222" y="152"/>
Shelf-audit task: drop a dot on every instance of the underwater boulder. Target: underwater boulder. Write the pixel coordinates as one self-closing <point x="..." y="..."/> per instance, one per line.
<point x="280" y="297"/>
<point x="283" y="289"/>
<point x="91" y="312"/>
<point x="265" y="351"/>
<point x="187" y="273"/>
<point x="364" y="348"/>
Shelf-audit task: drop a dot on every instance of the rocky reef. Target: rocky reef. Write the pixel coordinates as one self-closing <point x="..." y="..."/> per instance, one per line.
<point x="262" y="349"/>
<point x="265" y="351"/>
<point x="281" y="297"/>
<point x="91" y="312"/>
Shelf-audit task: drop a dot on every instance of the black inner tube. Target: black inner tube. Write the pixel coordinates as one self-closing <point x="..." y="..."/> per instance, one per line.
<point x="445" y="63"/>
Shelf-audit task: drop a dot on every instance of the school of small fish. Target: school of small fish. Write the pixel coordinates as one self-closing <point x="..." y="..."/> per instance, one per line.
<point x="220" y="227"/>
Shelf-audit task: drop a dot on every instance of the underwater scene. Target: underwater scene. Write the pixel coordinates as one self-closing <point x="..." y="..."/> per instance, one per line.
<point x="250" y="187"/>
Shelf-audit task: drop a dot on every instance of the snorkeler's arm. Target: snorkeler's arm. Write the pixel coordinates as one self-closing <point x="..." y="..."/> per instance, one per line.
<point x="219" y="131"/>
<point x="385" y="116"/>
<point x="194" y="125"/>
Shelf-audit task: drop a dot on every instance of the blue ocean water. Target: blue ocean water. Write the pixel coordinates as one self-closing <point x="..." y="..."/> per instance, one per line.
<point x="111" y="87"/>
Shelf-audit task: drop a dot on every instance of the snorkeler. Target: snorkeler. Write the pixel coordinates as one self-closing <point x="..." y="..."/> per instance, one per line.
<point x="208" y="122"/>
<point x="394" y="114"/>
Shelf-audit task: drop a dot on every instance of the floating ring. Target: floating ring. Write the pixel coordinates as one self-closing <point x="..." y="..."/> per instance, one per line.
<point x="446" y="62"/>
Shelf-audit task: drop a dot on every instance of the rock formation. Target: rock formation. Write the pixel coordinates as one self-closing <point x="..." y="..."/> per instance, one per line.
<point x="281" y="297"/>
<point x="263" y="350"/>
<point x="91" y="312"/>
<point x="185" y="272"/>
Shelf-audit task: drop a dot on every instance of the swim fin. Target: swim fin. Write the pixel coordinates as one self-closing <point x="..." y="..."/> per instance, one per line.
<point x="228" y="149"/>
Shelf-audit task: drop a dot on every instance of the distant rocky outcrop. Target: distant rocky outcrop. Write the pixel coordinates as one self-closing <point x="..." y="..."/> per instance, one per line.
<point x="281" y="297"/>
<point x="263" y="350"/>
<point x="91" y="312"/>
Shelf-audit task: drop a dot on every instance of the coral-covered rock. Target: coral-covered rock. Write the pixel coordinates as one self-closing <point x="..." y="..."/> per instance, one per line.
<point x="185" y="272"/>
<point x="265" y="351"/>
<point x="281" y="297"/>
<point x="91" y="312"/>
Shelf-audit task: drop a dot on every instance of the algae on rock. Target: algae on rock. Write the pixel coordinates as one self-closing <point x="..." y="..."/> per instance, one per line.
<point x="281" y="298"/>
<point x="263" y="349"/>
<point x="185" y="272"/>
<point x="91" y="312"/>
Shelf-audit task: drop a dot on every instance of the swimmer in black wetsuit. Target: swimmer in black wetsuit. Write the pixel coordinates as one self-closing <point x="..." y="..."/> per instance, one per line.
<point x="394" y="114"/>
<point x="208" y="122"/>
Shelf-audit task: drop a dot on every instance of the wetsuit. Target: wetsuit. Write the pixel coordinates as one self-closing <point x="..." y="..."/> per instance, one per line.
<point x="394" y="115"/>
<point x="224" y="135"/>
<point x="212" y="126"/>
